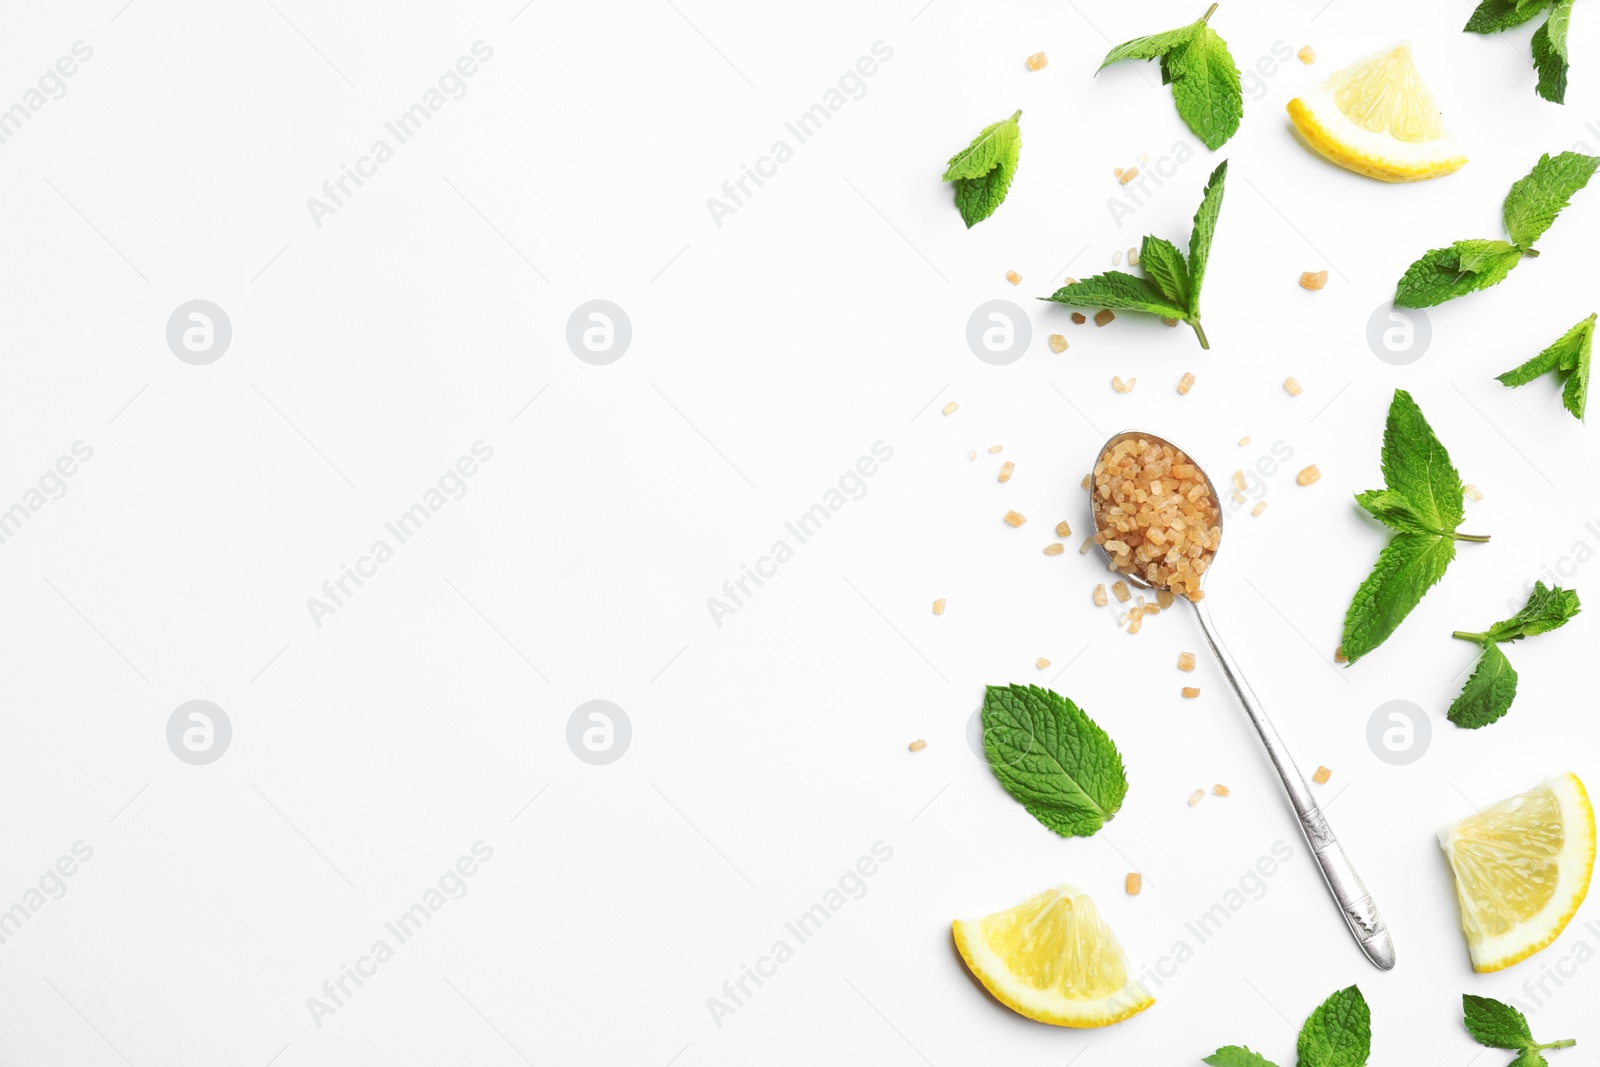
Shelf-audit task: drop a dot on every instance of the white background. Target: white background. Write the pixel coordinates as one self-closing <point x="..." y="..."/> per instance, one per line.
<point x="768" y="354"/>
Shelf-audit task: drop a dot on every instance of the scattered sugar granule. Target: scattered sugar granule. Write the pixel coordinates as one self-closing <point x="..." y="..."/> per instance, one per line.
<point x="1085" y="483"/>
<point x="1322" y="776"/>
<point x="1128" y="175"/>
<point x="1261" y="506"/>
<point x="1013" y="277"/>
<point x="1339" y="656"/>
<point x="1005" y="470"/>
<point x="1313" y="281"/>
<point x="1058" y="343"/>
<point x="1015" y="518"/>
<point x="1144" y="157"/>
<point x="1165" y="599"/>
<point x="1116" y="258"/>
<point x="1196" y="797"/>
<point x="1120" y="386"/>
<point x="950" y="408"/>
<point x="1133" y="257"/>
<point x="1100" y="595"/>
<point x="972" y="453"/>
<point x="1121" y="590"/>
<point x="938" y="606"/>
<point x="993" y="449"/>
<point x="1123" y="619"/>
<point x="1307" y="476"/>
<point x="1243" y="441"/>
<point x="1103" y="316"/>
<point x="1079" y="318"/>
<point x="918" y="745"/>
<point x="1292" y="387"/>
<point x="1472" y="492"/>
<point x="1238" y="497"/>
<point x="1190" y="692"/>
<point x="1185" y="384"/>
<point x="1037" y="61"/>
<point x="1135" y="623"/>
<point x="1133" y="883"/>
<point x="1170" y="322"/>
<point x="1219" y="790"/>
<point x="1041" y="663"/>
<point x="1054" y="549"/>
<point x="1307" y="56"/>
<point x="1088" y="543"/>
<point x="1062" y="529"/>
<point x="1069" y="280"/>
<point x="1116" y="172"/>
<point x="1239" y="480"/>
<point x="1186" y="661"/>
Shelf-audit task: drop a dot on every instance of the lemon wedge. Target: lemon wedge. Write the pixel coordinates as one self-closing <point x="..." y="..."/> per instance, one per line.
<point x="1053" y="959"/>
<point x="1378" y="118"/>
<point x="1522" y="868"/>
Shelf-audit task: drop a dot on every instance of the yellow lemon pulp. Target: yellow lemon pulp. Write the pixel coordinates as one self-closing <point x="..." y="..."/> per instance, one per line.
<point x="1378" y="118"/>
<point x="1052" y="959"/>
<point x="1522" y="868"/>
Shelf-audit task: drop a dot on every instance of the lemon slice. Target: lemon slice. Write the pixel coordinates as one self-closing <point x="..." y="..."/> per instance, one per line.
<point x="1053" y="959"/>
<point x="1377" y="118"/>
<point x="1522" y="868"/>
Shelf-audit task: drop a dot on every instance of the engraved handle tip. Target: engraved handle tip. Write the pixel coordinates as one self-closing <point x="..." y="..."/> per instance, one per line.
<point x="1380" y="950"/>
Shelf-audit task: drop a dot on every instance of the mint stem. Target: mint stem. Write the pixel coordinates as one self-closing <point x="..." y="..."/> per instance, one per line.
<point x="1531" y="253"/>
<point x="1462" y="635"/>
<point x="1563" y="1043"/>
<point x="1480" y="538"/>
<point x="1198" y="332"/>
<point x="1212" y="10"/>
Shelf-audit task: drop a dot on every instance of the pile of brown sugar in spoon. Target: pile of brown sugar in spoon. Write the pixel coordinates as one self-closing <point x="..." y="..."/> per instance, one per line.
<point x="1155" y="515"/>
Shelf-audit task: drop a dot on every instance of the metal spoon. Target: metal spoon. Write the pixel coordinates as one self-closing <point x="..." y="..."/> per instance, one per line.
<point x="1355" y="903"/>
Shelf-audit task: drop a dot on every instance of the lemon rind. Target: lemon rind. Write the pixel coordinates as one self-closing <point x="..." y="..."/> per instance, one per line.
<point x="1039" y="1005"/>
<point x="1572" y="886"/>
<point x="1377" y="155"/>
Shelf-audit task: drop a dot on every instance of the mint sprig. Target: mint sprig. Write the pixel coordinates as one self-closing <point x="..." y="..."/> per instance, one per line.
<point x="983" y="170"/>
<point x="1498" y="1025"/>
<point x="1052" y="758"/>
<point x="1205" y="82"/>
<point x="1422" y="504"/>
<point x="1488" y="693"/>
<point x="1568" y="359"/>
<point x="1549" y="40"/>
<point x="1172" y="289"/>
<point x="1338" y="1034"/>
<point x="1469" y="266"/>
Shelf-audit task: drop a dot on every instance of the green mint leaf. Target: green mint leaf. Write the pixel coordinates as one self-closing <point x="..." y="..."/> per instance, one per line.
<point x="1416" y="465"/>
<point x="1394" y="511"/>
<point x="1339" y="1032"/>
<point x="1205" y="81"/>
<point x="1408" y="566"/>
<point x="1548" y="608"/>
<point x="1568" y="358"/>
<point x="1166" y="267"/>
<point x="983" y="170"/>
<point x="1484" y="699"/>
<point x="1157" y="44"/>
<point x="1495" y="1024"/>
<point x="1205" y="86"/>
<point x="1205" y="228"/>
<point x="1495" y="15"/>
<point x="1052" y="758"/>
<point x="1498" y="1025"/>
<point x="1489" y="692"/>
<point x="1120" y="291"/>
<point x="1446" y="273"/>
<point x="1422" y="500"/>
<point x="1237" y="1056"/>
<point x="1550" y="53"/>
<point x="1534" y="202"/>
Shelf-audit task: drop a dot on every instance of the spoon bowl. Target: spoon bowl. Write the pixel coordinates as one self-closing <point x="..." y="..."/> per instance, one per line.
<point x="1355" y="903"/>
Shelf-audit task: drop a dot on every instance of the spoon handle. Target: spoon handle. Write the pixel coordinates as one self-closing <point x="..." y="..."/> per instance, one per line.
<point x="1355" y="903"/>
